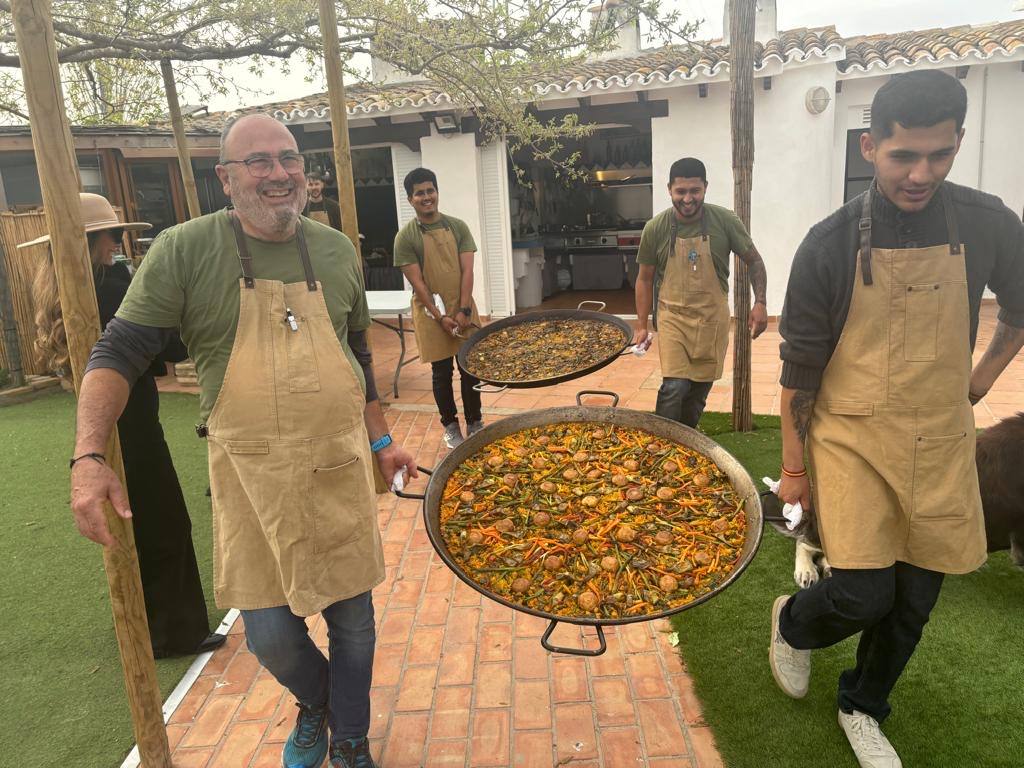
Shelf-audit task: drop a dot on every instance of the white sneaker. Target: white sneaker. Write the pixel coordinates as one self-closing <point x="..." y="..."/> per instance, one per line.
<point x="791" y="668"/>
<point x="453" y="435"/>
<point x="473" y="427"/>
<point x="869" y="744"/>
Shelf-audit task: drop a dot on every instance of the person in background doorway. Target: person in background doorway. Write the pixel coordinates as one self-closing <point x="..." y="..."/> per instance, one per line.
<point x="435" y="252"/>
<point x="684" y="266"/>
<point x="321" y="208"/>
<point x="171" y="587"/>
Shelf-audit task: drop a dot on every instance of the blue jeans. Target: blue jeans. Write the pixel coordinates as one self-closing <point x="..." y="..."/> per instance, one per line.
<point x="682" y="400"/>
<point x="281" y="642"/>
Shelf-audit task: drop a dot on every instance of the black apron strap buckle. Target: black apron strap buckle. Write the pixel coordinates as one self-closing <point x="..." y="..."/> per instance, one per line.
<point x="201" y="431"/>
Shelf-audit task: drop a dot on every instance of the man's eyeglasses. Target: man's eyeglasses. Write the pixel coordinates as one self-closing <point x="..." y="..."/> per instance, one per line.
<point x="262" y="166"/>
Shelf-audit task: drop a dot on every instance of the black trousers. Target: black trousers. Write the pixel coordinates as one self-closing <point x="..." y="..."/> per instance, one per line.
<point x="171" y="587"/>
<point x="682" y="400"/>
<point x="444" y="393"/>
<point x="889" y="606"/>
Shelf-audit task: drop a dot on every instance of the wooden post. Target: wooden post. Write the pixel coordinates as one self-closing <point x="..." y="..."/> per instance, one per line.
<point x="12" y="346"/>
<point x="184" y="158"/>
<point x="58" y="178"/>
<point x="741" y="79"/>
<point x="339" y="122"/>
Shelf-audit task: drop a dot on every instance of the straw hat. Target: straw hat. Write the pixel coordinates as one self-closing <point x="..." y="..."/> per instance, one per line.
<point x="97" y="214"/>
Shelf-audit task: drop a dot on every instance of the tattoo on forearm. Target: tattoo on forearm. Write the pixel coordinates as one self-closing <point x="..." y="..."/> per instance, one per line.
<point x="757" y="273"/>
<point x="800" y="408"/>
<point x="1004" y="339"/>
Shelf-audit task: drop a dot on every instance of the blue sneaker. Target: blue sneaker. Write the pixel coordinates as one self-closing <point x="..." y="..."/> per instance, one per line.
<point x="352" y="753"/>
<point x="307" y="744"/>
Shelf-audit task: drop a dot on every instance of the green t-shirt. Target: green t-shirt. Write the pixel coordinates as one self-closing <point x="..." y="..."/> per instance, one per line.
<point x="409" y="240"/>
<point x="727" y="233"/>
<point x="189" y="280"/>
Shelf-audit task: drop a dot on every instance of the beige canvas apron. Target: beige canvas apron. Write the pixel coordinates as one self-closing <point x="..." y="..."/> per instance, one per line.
<point x="891" y="441"/>
<point x="442" y="272"/>
<point x="693" y="312"/>
<point x="294" y="513"/>
<point x="320" y="216"/>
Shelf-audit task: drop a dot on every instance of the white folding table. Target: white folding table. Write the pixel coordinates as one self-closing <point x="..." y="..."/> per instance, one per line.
<point x="392" y="304"/>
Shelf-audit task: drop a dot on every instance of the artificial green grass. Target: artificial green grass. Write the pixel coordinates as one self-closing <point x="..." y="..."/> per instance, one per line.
<point x="957" y="704"/>
<point x="63" y="697"/>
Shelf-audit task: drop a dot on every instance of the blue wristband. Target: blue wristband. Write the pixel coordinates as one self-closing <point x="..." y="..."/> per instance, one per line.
<point x="380" y="444"/>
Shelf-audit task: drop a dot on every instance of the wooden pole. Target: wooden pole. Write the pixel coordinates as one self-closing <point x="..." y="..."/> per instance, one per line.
<point x="184" y="158"/>
<point x="339" y="122"/>
<point x="58" y="178"/>
<point x="12" y="346"/>
<point x="741" y="79"/>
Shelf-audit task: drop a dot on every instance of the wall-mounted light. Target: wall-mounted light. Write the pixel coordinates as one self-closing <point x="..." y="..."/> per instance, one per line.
<point x="702" y="90"/>
<point x="445" y="122"/>
<point x="766" y="83"/>
<point x="817" y="100"/>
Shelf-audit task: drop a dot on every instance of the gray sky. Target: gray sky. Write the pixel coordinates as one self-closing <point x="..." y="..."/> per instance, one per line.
<point x="850" y="18"/>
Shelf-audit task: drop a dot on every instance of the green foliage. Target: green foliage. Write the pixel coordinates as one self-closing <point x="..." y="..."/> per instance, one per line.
<point x="487" y="54"/>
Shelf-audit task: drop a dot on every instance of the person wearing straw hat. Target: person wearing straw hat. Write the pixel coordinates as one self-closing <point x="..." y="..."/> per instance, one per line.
<point x="172" y="589"/>
<point x="878" y="327"/>
<point x="272" y="308"/>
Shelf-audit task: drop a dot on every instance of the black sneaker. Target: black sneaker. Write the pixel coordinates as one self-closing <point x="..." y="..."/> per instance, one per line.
<point x="352" y="753"/>
<point x="306" y="746"/>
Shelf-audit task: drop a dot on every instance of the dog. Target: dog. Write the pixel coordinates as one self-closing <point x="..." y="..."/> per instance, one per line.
<point x="1000" y="460"/>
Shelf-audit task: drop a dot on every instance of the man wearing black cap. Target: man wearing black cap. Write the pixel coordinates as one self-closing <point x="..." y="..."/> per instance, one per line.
<point x="684" y="264"/>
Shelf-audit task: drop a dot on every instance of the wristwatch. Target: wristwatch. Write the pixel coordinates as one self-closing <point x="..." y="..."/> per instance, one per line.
<point x="467" y="311"/>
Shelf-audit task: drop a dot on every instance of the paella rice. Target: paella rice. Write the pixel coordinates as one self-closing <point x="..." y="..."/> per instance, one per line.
<point x="592" y="520"/>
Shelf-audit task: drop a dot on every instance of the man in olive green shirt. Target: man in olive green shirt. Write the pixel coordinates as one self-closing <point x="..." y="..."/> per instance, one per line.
<point x="192" y="279"/>
<point x="421" y="188"/>
<point x="683" y="399"/>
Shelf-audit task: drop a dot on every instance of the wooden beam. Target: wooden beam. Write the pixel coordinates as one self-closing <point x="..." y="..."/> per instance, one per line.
<point x="12" y="346"/>
<point x="741" y="79"/>
<point x="58" y="176"/>
<point x="339" y="122"/>
<point x="178" y="125"/>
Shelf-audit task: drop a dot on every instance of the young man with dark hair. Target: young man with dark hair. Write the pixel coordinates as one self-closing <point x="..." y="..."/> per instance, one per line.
<point x="321" y="208"/>
<point x="435" y="252"/>
<point x="684" y="266"/>
<point x="878" y="328"/>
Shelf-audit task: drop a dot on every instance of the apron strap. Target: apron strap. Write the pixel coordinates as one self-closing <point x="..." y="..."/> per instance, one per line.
<point x="952" y="229"/>
<point x="703" y="224"/>
<point x="865" y="237"/>
<point x="245" y="258"/>
<point x="307" y="265"/>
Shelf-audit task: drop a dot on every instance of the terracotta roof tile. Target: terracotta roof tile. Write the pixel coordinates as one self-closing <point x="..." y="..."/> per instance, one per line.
<point x="866" y="51"/>
<point x="681" y="63"/>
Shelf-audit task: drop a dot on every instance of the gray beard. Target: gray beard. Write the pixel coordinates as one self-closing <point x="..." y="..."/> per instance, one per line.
<point x="275" y="219"/>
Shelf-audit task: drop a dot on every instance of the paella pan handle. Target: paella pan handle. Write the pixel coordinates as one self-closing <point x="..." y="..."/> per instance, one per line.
<point x="613" y="395"/>
<point x="482" y="388"/>
<point x="603" y="646"/>
<point x="600" y="307"/>
<point x="417" y="496"/>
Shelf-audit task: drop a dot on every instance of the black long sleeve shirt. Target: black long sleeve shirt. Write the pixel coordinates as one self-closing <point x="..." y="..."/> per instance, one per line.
<point x="824" y="270"/>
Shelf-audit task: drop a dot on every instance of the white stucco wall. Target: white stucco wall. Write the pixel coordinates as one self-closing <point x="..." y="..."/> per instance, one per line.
<point x="1002" y="165"/>
<point x="456" y="161"/>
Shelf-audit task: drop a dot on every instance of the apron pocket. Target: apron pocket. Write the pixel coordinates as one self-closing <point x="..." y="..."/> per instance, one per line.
<point x="941" y="468"/>
<point x="849" y="408"/>
<point x="705" y="345"/>
<point x="921" y="322"/>
<point x="341" y="491"/>
<point x="302" y="369"/>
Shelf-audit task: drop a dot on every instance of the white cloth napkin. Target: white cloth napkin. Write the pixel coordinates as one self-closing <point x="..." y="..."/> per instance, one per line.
<point x="641" y="349"/>
<point x="398" y="481"/>
<point x="793" y="513"/>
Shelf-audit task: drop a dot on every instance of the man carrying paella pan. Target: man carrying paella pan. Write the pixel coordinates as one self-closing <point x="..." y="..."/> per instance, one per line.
<point x="684" y="273"/>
